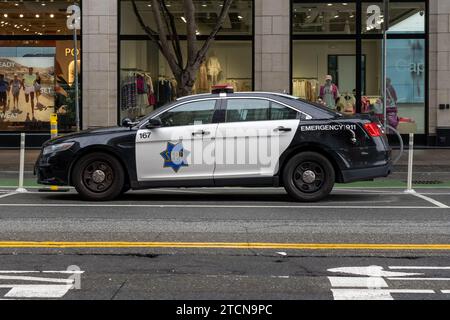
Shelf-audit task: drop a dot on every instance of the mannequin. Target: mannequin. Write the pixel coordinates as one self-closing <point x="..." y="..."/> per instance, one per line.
<point x="203" y="85"/>
<point x="329" y="92"/>
<point x="71" y="71"/>
<point x="214" y="68"/>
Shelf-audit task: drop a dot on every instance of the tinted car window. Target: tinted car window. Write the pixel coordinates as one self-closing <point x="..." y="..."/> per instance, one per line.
<point x="193" y="113"/>
<point x="280" y="112"/>
<point x="240" y="110"/>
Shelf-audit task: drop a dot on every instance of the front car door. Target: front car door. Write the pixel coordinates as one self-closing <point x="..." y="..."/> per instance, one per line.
<point x="255" y="133"/>
<point x="183" y="148"/>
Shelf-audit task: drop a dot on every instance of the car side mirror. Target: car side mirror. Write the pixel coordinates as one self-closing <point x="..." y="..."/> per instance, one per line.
<point x="154" y="123"/>
<point x="127" y="123"/>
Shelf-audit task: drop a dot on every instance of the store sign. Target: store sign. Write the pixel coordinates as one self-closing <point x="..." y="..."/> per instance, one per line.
<point x="71" y="52"/>
<point x="374" y="17"/>
<point x="74" y="20"/>
<point x="418" y="68"/>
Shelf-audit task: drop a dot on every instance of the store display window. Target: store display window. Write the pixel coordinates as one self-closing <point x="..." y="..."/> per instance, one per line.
<point x="238" y="22"/>
<point x="31" y="17"/>
<point x="344" y="71"/>
<point x="37" y="68"/>
<point x="146" y="81"/>
<point x="327" y="18"/>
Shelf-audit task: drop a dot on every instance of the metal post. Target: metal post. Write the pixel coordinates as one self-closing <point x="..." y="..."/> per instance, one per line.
<point x="385" y="30"/>
<point x="53" y="134"/>
<point x="21" y="189"/>
<point x="410" y="164"/>
<point x="77" y="102"/>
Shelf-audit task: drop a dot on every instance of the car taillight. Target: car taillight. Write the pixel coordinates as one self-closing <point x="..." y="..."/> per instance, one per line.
<point x="373" y="129"/>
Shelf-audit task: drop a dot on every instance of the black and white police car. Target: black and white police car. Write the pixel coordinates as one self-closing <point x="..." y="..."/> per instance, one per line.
<point x="222" y="139"/>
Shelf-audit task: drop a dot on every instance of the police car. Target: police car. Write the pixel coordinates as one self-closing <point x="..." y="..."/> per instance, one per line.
<point x="222" y="139"/>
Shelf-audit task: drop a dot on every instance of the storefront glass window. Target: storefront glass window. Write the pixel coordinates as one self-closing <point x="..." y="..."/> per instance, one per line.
<point x="329" y="18"/>
<point x="407" y="17"/>
<point x="38" y="81"/>
<point x="337" y="56"/>
<point x="147" y="82"/>
<point x="238" y="22"/>
<point x="37" y="75"/>
<point x="31" y="17"/>
<point x="315" y="62"/>
<point x="406" y="82"/>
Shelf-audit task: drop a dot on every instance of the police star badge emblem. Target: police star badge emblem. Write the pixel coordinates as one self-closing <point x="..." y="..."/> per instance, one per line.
<point x="175" y="156"/>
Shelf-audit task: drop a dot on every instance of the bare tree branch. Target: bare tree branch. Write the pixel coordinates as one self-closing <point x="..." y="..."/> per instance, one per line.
<point x="174" y="37"/>
<point x="220" y="20"/>
<point x="191" y="30"/>
<point x="165" y="47"/>
<point x="153" y="35"/>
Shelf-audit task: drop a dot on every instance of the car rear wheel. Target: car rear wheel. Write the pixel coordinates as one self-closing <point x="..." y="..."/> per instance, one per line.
<point x="98" y="177"/>
<point x="308" y="177"/>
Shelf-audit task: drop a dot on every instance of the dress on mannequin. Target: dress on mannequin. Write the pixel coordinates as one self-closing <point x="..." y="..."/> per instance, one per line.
<point x="214" y="68"/>
<point x="203" y="85"/>
<point x="329" y="93"/>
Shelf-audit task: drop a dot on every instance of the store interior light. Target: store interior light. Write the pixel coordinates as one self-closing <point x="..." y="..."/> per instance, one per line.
<point x="184" y="19"/>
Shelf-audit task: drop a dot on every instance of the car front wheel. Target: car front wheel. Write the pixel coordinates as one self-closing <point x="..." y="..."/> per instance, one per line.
<point x="98" y="177"/>
<point x="308" y="177"/>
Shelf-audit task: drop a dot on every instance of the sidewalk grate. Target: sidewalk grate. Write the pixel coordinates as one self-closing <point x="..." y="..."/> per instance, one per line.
<point x="427" y="182"/>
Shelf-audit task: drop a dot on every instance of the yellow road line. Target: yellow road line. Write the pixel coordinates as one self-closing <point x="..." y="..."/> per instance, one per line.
<point x="225" y="245"/>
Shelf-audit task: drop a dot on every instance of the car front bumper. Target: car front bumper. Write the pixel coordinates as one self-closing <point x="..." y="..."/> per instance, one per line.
<point x="53" y="169"/>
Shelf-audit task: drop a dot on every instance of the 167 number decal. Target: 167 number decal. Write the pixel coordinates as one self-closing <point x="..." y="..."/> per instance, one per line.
<point x="144" y="135"/>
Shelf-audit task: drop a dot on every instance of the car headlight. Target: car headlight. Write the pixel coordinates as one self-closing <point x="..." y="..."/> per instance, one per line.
<point x="58" y="147"/>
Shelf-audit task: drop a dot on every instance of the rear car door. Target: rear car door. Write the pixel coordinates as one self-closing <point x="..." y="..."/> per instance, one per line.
<point x="183" y="148"/>
<point x="255" y="133"/>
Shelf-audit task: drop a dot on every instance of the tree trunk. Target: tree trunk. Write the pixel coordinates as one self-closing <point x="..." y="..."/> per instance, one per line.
<point x="185" y="82"/>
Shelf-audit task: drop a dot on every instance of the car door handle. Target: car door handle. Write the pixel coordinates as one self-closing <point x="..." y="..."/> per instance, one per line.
<point x="282" y="129"/>
<point x="201" y="132"/>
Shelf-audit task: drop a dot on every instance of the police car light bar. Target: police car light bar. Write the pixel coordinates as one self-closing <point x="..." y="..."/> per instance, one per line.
<point x="222" y="88"/>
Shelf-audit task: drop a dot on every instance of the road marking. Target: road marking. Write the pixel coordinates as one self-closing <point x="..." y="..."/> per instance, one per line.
<point x="371" y="271"/>
<point x="369" y="283"/>
<point x="418" y="268"/>
<point x="435" y="202"/>
<point x="198" y="206"/>
<point x="37" y="291"/>
<point x="38" y="279"/>
<point x="7" y="195"/>
<point x="372" y="294"/>
<point x="225" y="245"/>
<point x="23" y="272"/>
<point x="358" y="282"/>
<point x="420" y="279"/>
<point x="445" y="291"/>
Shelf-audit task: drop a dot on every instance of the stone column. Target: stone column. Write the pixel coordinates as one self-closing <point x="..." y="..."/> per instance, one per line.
<point x="99" y="63"/>
<point x="439" y="55"/>
<point x="272" y="45"/>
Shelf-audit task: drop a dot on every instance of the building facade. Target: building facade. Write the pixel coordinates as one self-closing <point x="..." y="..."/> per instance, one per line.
<point x="265" y="45"/>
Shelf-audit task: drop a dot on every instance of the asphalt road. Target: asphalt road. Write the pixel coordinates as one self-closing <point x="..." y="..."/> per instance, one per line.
<point x="226" y="244"/>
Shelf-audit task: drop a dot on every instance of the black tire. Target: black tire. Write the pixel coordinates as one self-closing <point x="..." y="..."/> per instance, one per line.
<point x="308" y="177"/>
<point x="98" y="177"/>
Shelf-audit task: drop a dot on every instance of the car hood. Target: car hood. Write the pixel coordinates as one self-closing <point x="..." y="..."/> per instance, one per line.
<point x="84" y="133"/>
